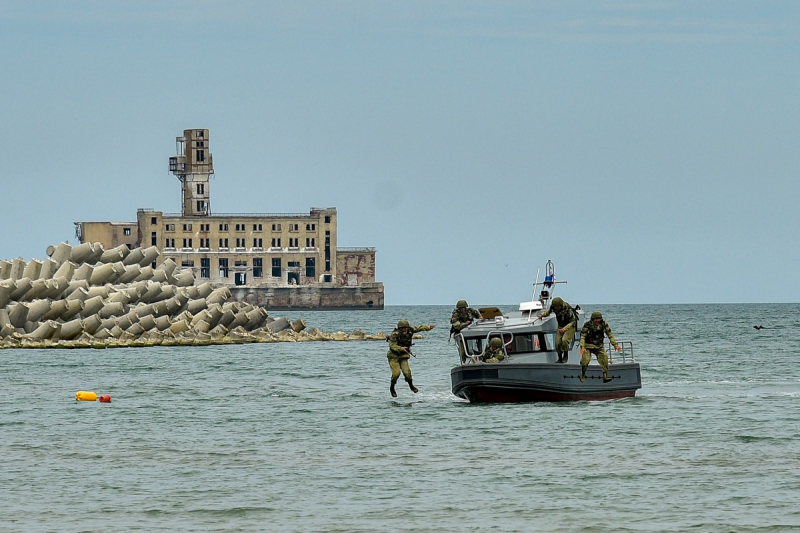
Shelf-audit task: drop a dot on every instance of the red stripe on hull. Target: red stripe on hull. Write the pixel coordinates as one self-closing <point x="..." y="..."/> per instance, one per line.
<point x="488" y="395"/>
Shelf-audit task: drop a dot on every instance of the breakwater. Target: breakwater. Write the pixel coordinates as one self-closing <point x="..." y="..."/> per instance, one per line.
<point x="89" y="297"/>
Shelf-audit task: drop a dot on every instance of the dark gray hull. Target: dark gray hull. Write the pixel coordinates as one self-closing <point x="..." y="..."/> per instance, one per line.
<point x="543" y="382"/>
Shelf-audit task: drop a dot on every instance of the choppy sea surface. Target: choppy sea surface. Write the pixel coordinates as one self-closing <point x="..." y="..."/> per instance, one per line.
<point x="305" y="437"/>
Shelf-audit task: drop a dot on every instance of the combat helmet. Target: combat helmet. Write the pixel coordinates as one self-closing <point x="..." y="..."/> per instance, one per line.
<point x="462" y="303"/>
<point x="558" y="302"/>
<point x="597" y="314"/>
<point x="403" y="324"/>
<point x="496" y="342"/>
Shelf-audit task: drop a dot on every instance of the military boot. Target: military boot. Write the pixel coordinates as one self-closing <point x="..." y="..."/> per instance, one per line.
<point x="391" y="389"/>
<point x="606" y="379"/>
<point x="583" y="373"/>
<point x="566" y="356"/>
<point x="560" y="360"/>
<point x="412" y="387"/>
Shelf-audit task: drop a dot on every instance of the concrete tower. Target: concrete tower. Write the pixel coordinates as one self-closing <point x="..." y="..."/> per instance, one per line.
<point x="194" y="167"/>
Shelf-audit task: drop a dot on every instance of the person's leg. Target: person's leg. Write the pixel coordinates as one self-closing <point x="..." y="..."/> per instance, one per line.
<point x="602" y="358"/>
<point x="585" y="358"/>
<point x="566" y="338"/>
<point x="394" y="364"/>
<point x="407" y="374"/>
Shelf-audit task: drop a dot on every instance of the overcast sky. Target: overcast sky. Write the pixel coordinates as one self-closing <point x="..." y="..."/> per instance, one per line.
<point x="650" y="149"/>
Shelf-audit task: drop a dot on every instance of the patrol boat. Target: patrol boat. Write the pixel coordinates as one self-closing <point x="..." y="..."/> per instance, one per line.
<point x="529" y="372"/>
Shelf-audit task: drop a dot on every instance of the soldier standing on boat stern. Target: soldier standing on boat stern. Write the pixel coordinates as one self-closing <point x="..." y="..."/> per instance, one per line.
<point x="592" y="343"/>
<point x="462" y="316"/>
<point x="567" y="324"/>
<point x="400" y="351"/>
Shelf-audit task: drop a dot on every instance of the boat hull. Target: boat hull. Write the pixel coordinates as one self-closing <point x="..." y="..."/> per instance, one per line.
<point x="543" y="382"/>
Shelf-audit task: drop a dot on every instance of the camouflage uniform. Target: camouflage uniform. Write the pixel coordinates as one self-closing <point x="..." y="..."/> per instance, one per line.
<point x="462" y="316"/>
<point x="398" y="357"/>
<point x="493" y="352"/>
<point x="592" y="340"/>
<point x="568" y="321"/>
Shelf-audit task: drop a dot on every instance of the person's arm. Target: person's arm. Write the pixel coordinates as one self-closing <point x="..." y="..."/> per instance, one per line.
<point x="424" y="327"/>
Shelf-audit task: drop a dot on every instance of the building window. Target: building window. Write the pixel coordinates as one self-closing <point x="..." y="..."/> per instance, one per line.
<point x="311" y="227"/>
<point x="276" y="243"/>
<point x="223" y="267"/>
<point x="170" y="243"/>
<point x="258" y="227"/>
<point x="258" y="243"/>
<point x="201" y="155"/>
<point x="223" y="243"/>
<point x="153" y="239"/>
<point x="199" y="133"/>
<point x="153" y="220"/>
<point x="311" y="271"/>
<point x="201" y="206"/>
<point x="276" y="227"/>
<point x="204" y="227"/>
<point x="294" y="242"/>
<point x="223" y="227"/>
<point x="170" y="227"/>
<point x="294" y="227"/>
<point x="187" y="227"/>
<point x="205" y="267"/>
<point x="311" y="242"/>
<point x="187" y="263"/>
<point x="327" y="219"/>
<point x="258" y="267"/>
<point x="187" y="243"/>
<point x="201" y="188"/>
<point x="328" y="265"/>
<point x="276" y="267"/>
<point x="126" y="231"/>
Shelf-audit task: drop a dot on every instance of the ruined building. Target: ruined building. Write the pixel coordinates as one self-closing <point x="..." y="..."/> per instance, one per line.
<point x="283" y="261"/>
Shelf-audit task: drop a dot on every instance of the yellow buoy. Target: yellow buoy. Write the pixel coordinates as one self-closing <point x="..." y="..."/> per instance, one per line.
<point x="85" y="396"/>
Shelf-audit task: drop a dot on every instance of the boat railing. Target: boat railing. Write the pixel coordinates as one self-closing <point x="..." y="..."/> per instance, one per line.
<point x="625" y="356"/>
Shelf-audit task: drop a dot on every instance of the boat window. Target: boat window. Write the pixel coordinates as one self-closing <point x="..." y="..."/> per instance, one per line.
<point x="532" y="342"/>
<point x="474" y="346"/>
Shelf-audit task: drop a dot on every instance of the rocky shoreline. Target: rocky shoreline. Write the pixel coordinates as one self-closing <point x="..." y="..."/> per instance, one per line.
<point x="88" y="297"/>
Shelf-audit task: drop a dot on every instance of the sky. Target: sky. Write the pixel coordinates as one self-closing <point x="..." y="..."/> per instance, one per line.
<point x="648" y="148"/>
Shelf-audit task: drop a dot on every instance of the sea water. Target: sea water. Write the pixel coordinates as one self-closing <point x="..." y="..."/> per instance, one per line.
<point x="305" y="436"/>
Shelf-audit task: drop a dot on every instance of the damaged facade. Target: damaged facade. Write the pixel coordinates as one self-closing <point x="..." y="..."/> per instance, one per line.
<point x="269" y="259"/>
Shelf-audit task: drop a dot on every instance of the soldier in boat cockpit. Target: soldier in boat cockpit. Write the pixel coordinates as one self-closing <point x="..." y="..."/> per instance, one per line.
<point x="493" y="352"/>
<point x="567" y="324"/>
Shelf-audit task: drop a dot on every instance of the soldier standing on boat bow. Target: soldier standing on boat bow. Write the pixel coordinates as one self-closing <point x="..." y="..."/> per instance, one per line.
<point x="567" y="324"/>
<point x="592" y="343"/>
<point x="400" y="352"/>
<point x="462" y="317"/>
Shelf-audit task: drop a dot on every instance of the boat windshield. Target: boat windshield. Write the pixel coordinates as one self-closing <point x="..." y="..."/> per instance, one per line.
<point x="518" y="343"/>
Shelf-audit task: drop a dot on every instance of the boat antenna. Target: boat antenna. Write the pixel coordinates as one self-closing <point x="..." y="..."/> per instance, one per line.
<point x="548" y="284"/>
<point x="535" y="284"/>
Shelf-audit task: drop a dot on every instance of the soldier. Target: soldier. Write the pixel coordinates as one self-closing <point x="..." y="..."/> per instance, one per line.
<point x="592" y="343"/>
<point x="493" y="352"/>
<point x="462" y="317"/>
<point x="400" y="352"/>
<point x="567" y="324"/>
